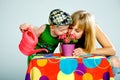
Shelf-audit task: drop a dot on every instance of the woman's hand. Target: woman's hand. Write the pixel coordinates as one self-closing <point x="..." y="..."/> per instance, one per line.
<point x="78" y="51"/>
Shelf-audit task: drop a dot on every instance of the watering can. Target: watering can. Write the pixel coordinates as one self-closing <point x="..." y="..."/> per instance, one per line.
<point x="28" y="43"/>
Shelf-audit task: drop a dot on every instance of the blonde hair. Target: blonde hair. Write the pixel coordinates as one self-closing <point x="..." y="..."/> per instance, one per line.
<point x="85" y="22"/>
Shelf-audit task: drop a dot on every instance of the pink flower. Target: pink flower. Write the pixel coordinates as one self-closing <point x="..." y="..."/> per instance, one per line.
<point x="62" y="36"/>
<point x="67" y="38"/>
<point x="72" y="36"/>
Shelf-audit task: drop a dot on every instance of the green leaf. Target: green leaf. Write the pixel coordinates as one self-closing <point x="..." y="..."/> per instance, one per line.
<point x="75" y="41"/>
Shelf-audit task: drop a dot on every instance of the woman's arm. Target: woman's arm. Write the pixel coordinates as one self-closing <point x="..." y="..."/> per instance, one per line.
<point x="107" y="47"/>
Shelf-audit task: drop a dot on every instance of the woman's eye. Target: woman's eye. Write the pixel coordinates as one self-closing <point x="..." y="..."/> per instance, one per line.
<point x="78" y="30"/>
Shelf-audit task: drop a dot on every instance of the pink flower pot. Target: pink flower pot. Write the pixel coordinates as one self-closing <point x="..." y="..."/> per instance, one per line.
<point x="67" y="49"/>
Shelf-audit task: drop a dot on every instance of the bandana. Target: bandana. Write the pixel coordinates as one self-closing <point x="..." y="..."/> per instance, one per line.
<point x="59" y="18"/>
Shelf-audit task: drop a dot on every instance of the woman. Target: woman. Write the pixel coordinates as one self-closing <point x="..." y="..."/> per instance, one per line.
<point x="88" y="32"/>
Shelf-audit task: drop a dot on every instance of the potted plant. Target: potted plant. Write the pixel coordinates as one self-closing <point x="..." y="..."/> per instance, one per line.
<point x="67" y="43"/>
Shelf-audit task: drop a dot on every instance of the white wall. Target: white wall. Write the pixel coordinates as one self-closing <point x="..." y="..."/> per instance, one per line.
<point x="14" y="12"/>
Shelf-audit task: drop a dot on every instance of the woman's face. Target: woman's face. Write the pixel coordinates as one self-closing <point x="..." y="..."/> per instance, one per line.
<point x="76" y="31"/>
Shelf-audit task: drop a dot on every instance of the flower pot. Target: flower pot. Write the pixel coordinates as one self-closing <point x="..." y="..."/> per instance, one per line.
<point x="67" y="49"/>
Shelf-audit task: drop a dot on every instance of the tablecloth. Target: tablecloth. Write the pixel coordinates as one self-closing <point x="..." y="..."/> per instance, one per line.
<point x="69" y="68"/>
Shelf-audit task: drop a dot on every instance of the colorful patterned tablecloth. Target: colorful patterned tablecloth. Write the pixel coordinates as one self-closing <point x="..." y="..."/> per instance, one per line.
<point x="69" y="68"/>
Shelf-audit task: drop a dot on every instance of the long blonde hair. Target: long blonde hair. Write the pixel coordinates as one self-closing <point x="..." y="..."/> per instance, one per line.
<point x="86" y="23"/>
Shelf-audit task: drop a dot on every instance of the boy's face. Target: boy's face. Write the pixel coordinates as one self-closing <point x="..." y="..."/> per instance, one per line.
<point x="61" y="30"/>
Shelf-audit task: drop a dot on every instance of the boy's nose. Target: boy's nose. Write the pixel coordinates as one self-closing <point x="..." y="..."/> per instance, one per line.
<point x="65" y="31"/>
<point x="72" y="31"/>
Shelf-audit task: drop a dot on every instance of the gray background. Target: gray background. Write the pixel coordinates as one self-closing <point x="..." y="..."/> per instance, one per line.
<point x="14" y="12"/>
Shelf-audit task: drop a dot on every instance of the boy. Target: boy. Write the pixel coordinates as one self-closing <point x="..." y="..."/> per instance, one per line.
<point x="47" y="34"/>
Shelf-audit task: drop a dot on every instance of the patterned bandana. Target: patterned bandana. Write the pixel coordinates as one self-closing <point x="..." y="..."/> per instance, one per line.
<point x="59" y="18"/>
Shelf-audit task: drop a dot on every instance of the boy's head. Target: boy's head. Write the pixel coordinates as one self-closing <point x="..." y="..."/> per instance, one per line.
<point x="58" y="17"/>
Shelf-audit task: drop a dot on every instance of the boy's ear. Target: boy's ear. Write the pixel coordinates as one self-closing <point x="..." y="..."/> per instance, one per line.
<point x="52" y="27"/>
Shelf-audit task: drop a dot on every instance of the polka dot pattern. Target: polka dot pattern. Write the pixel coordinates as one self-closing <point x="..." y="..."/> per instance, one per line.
<point x="106" y="76"/>
<point x="68" y="66"/>
<point x="42" y="62"/>
<point x="87" y="76"/>
<point x="69" y="69"/>
<point x="35" y="74"/>
<point x="43" y="78"/>
<point x="91" y="63"/>
<point x="27" y="77"/>
<point x="62" y="76"/>
<point x="81" y="69"/>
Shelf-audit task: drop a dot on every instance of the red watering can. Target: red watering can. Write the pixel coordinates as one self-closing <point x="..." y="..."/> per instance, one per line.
<point x="28" y="43"/>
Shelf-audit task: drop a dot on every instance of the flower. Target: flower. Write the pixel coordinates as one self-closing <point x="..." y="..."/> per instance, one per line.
<point x="67" y="39"/>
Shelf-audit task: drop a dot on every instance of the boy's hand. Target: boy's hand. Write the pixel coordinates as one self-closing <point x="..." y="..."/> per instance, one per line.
<point x="23" y="27"/>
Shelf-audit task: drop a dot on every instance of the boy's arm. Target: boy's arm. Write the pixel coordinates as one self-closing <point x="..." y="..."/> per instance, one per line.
<point x="37" y="30"/>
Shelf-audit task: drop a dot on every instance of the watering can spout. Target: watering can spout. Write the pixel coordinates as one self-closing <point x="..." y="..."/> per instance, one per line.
<point x="28" y="43"/>
<point x="40" y="50"/>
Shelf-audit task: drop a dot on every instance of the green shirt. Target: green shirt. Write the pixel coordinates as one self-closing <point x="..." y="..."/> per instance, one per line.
<point x="46" y="40"/>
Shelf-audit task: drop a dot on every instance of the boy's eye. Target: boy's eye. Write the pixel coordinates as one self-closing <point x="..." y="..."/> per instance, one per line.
<point x="70" y="27"/>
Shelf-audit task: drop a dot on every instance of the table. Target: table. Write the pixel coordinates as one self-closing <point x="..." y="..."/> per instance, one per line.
<point x="69" y="68"/>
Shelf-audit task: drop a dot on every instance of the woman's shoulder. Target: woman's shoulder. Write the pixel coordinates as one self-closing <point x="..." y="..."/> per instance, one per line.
<point x="98" y="29"/>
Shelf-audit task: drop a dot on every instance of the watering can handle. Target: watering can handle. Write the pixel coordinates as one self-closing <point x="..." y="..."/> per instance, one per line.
<point x="29" y="29"/>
